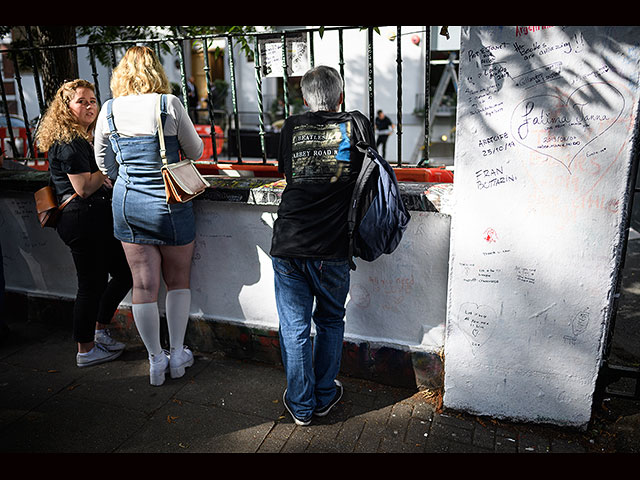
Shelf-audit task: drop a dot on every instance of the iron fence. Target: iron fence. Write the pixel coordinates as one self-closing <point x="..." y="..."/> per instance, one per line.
<point x="178" y="43"/>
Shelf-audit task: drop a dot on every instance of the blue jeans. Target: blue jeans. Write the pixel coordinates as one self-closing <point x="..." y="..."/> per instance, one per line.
<point x="311" y="368"/>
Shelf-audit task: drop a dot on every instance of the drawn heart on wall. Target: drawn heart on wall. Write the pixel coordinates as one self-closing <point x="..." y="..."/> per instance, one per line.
<point x="561" y="128"/>
<point x="477" y="323"/>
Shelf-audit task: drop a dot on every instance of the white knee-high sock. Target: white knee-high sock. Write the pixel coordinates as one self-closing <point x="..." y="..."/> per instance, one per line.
<point x="178" y="307"/>
<point x="147" y="320"/>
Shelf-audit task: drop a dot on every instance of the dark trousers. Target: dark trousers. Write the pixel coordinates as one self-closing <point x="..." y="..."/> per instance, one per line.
<point x="86" y="227"/>
<point x="382" y="141"/>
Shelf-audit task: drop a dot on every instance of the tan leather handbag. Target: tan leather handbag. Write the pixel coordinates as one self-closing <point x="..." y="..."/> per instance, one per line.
<point x="47" y="206"/>
<point x="182" y="180"/>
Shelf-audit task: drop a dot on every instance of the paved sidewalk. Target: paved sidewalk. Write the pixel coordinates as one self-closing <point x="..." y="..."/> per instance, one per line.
<point x="47" y="404"/>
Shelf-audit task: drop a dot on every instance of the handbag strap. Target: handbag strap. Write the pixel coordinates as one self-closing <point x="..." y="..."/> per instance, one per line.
<point x="163" y="149"/>
<point x="75" y="194"/>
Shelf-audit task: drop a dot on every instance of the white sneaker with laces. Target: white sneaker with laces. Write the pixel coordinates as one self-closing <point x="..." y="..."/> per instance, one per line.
<point x="158" y="367"/>
<point x="98" y="354"/>
<point x="104" y="338"/>
<point x="179" y="360"/>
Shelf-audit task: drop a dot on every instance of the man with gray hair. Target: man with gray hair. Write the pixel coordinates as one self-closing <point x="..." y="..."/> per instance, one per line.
<point x="310" y="244"/>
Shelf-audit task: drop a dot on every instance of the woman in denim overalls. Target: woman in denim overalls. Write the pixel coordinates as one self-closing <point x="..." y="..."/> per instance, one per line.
<point x="158" y="238"/>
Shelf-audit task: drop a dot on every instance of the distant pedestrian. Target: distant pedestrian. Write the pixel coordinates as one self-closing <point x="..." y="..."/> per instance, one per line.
<point x="384" y="127"/>
<point x="192" y="99"/>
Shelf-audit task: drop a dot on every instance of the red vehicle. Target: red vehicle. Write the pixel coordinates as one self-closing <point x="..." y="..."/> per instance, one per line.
<point x="19" y="136"/>
<point x="424" y="175"/>
<point x="21" y="143"/>
<point x="205" y="134"/>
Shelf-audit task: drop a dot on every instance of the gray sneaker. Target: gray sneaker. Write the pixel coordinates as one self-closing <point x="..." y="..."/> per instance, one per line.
<point x="104" y="338"/>
<point x="98" y="354"/>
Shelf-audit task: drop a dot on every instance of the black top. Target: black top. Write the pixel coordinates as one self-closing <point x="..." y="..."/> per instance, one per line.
<point x="321" y="164"/>
<point x="70" y="158"/>
<point x="383" y="123"/>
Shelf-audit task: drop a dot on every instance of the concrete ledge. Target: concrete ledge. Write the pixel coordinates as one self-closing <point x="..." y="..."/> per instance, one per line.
<point x="417" y="196"/>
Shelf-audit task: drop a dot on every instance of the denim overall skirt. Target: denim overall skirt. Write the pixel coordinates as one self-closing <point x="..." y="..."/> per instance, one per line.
<point x="141" y="214"/>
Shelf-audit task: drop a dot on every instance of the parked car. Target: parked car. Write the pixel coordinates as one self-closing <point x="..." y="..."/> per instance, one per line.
<point x="19" y="135"/>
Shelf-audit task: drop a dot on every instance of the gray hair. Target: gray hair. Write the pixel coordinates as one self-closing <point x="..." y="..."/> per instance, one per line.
<point x="321" y="88"/>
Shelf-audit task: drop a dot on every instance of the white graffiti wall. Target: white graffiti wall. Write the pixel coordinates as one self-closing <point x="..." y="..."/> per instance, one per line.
<point x="545" y="123"/>
<point x="399" y="300"/>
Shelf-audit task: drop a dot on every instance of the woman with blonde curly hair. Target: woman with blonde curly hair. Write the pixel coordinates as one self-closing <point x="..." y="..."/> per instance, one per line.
<point x="86" y="224"/>
<point x="158" y="238"/>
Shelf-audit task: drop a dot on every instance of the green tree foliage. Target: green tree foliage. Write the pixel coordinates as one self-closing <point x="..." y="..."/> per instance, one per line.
<point x="58" y="64"/>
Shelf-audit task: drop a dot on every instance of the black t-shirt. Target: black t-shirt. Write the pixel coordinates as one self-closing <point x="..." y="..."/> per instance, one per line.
<point x="70" y="158"/>
<point x="383" y="124"/>
<point x="321" y="164"/>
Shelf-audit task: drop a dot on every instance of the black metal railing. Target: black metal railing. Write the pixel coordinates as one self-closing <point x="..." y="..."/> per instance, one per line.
<point x="31" y="53"/>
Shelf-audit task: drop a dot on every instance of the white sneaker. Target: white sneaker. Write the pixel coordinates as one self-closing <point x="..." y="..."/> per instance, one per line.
<point x="158" y="367"/>
<point x="104" y="338"/>
<point x="180" y="359"/>
<point x="98" y="354"/>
